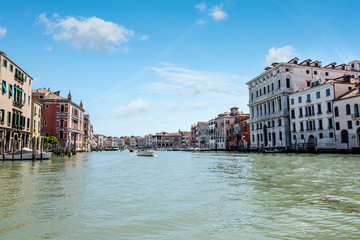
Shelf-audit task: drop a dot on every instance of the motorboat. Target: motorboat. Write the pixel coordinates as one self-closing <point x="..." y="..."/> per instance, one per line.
<point x="131" y="150"/>
<point x="145" y="153"/>
<point x="27" y="154"/>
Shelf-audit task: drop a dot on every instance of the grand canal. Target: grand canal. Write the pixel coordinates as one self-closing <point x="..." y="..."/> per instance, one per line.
<point x="182" y="195"/>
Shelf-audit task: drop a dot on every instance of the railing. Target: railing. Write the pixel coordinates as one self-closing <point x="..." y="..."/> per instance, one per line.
<point x="18" y="104"/>
<point x="19" y="78"/>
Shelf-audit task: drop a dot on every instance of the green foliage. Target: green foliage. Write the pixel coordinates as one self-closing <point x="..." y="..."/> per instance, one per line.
<point x="51" y="140"/>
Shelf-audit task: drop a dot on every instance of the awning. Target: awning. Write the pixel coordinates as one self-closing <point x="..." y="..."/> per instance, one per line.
<point x="4" y="86"/>
<point x="19" y="89"/>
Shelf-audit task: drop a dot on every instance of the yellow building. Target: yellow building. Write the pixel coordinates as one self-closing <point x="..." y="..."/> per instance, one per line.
<point x="15" y="103"/>
<point x="35" y="122"/>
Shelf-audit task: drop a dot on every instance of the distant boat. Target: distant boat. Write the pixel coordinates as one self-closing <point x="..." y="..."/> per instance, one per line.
<point x="131" y="150"/>
<point x="27" y="154"/>
<point x="147" y="153"/>
<point x="273" y="150"/>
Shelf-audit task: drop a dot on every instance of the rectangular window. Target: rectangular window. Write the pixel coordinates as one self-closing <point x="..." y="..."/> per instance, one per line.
<point x="331" y="135"/>
<point x="337" y="125"/>
<point x="279" y="122"/>
<point x="9" y="118"/>
<point x="329" y="109"/>
<point x="328" y="92"/>
<point x="11" y="93"/>
<point x="280" y="136"/>
<point x="308" y="98"/>
<point x="292" y="113"/>
<point x="321" y="135"/>
<point x="349" y="123"/>
<point x="299" y="100"/>
<point x="320" y="124"/>
<point x="294" y="127"/>
<point x="11" y="68"/>
<point x="319" y="108"/>
<point x="315" y="72"/>
<point x="307" y="71"/>
<point x="292" y="101"/>
<point x="326" y="73"/>
<point x="318" y="94"/>
<point x="301" y="126"/>
<point x="2" y="115"/>
<point x="3" y="87"/>
<point x="28" y="123"/>
<point x="330" y="123"/>
<point x="300" y="112"/>
<point x="288" y="82"/>
<point x="4" y="63"/>
<point x="279" y="84"/>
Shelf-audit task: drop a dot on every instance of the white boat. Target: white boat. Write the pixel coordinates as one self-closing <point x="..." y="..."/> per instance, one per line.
<point x="147" y="153"/>
<point x="27" y="154"/>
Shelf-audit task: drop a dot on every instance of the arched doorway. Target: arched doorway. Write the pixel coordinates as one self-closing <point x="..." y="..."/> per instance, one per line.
<point x="311" y="142"/>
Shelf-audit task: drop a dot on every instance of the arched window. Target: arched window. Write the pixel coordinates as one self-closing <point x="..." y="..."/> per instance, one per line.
<point x="348" y="110"/>
<point x="62" y="108"/>
<point x="356" y="110"/>
<point x="344" y="136"/>
<point x="336" y="111"/>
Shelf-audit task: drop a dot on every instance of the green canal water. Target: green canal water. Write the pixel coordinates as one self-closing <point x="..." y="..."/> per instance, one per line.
<point x="182" y="195"/>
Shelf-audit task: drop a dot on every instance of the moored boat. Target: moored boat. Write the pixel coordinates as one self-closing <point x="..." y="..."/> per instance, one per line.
<point x="27" y="154"/>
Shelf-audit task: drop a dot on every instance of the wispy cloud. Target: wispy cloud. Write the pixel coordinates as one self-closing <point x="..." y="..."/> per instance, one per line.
<point x="132" y="108"/>
<point x="49" y="48"/>
<point x="217" y="13"/>
<point x="201" y="6"/>
<point x="90" y="33"/>
<point x="185" y="81"/>
<point x="145" y="37"/>
<point x="283" y="54"/>
<point x="3" y="31"/>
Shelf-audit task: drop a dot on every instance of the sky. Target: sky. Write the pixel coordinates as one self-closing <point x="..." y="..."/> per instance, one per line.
<point x="142" y="67"/>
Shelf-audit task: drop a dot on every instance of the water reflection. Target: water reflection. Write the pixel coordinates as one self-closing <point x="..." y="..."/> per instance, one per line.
<point x="181" y="195"/>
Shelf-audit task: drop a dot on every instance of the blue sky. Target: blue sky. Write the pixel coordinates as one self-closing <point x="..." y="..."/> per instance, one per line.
<point x="146" y="66"/>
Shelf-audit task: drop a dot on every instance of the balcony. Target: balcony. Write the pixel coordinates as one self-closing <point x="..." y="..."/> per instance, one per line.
<point x="18" y="104"/>
<point x="19" y="78"/>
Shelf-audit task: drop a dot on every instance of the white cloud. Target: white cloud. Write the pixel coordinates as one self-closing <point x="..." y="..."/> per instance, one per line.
<point x="3" y="31"/>
<point x="200" y="21"/>
<point x="283" y="54"/>
<point x="132" y="109"/>
<point x="49" y="49"/>
<point x="87" y="33"/>
<point x="185" y="81"/>
<point x="217" y="13"/>
<point x="145" y="37"/>
<point x="201" y="6"/>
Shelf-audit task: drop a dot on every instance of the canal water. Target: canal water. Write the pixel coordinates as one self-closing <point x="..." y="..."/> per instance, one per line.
<point x="182" y="195"/>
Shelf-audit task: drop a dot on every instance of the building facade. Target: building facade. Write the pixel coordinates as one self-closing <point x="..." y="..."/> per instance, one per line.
<point x="15" y="109"/>
<point x="62" y="118"/>
<point x="269" y="101"/>
<point x="36" y="123"/>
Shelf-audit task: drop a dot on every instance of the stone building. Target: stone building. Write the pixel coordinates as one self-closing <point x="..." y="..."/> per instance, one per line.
<point x="312" y="115"/>
<point x="166" y="140"/>
<point x="269" y="97"/>
<point x="36" y="123"/>
<point x="15" y="108"/>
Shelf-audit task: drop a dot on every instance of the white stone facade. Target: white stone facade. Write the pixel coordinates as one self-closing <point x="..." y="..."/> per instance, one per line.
<point x="269" y="98"/>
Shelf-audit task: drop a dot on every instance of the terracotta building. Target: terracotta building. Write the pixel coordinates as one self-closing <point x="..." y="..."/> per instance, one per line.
<point x="62" y="118"/>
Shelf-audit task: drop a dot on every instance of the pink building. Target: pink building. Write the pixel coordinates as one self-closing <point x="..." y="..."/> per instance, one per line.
<point x="62" y="118"/>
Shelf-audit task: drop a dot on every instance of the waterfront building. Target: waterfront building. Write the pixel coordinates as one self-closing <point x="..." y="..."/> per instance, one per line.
<point x="193" y="135"/>
<point x="141" y="142"/>
<point x="100" y="141"/>
<point x="239" y="132"/>
<point x="62" y="118"/>
<point x="133" y="142"/>
<point x="223" y="123"/>
<point x="203" y="135"/>
<point x="269" y="97"/>
<point x="212" y="142"/>
<point x="148" y="141"/>
<point x="166" y="140"/>
<point x="311" y="113"/>
<point x="185" y="138"/>
<point x="347" y="120"/>
<point x="35" y="123"/>
<point x="15" y="98"/>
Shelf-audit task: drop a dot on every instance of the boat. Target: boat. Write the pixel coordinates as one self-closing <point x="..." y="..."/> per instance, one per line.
<point x="131" y="150"/>
<point x="273" y="150"/>
<point x="27" y="154"/>
<point x="145" y="153"/>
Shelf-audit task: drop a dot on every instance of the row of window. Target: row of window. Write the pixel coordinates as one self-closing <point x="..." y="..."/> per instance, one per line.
<point x="15" y="118"/>
<point x="262" y="91"/>
<point x="270" y="137"/>
<point x="308" y="96"/>
<point x="270" y="124"/>
<point x="16" y="92"/>
<point x="19" y="75"/>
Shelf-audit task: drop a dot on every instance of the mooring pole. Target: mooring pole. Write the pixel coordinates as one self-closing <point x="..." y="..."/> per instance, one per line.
<point x="42" y="146"/>
<point x="21" y="150"/>
<point x="13" y="149"/>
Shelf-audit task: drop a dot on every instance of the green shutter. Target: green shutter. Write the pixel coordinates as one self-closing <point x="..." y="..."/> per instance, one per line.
<point x="3" y="86"/>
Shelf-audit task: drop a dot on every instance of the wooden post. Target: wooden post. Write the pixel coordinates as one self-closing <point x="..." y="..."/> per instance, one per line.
<point x="33" y="143"/>
<point x="69" y="147"/>
<point x="13" y="149"/>
<point x="3" y="148"/>
<point x="41" y="148"/>
<point x="21" y="150"/>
